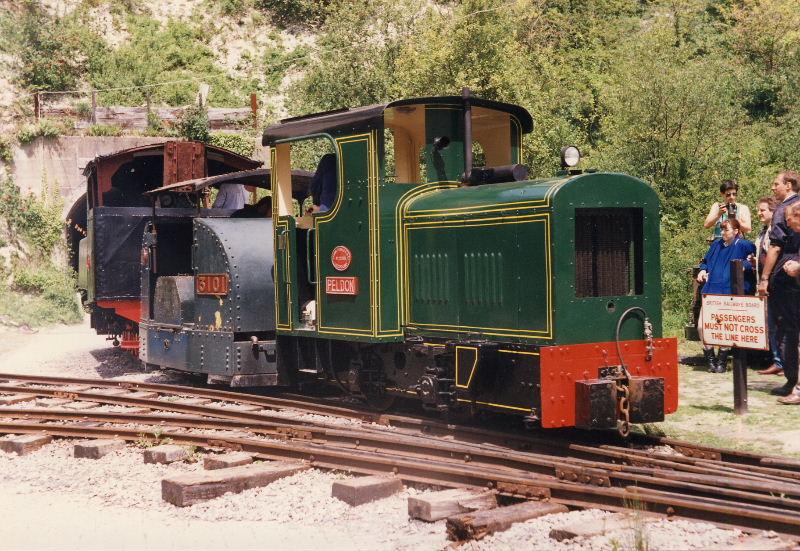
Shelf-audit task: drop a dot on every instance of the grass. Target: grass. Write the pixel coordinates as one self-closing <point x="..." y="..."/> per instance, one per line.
<point x="36" y="310"/>
<point x="705" y="413"/>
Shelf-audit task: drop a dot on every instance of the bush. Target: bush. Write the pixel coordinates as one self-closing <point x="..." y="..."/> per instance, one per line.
<point x="83" y="110"/>
<point x="233" y="7"/>
<point x="44" y="294"/>
<point x="193" y="125"/>
<point x="45" y="128"/>
<point x="238" y="143"/>
<point x="36" y="220"/>
<point x="52" y="51"/>
<point x="176" y="52"/>
<point x="104" y="130"/>
<point x="5" y="150"/>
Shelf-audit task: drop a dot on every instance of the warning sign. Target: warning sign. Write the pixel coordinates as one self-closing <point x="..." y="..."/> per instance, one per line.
<point x="734" y="321"/>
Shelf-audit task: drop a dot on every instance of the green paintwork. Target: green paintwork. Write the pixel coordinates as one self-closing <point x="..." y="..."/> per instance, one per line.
<point x="349" y="224"/>
<point x="505" y="244"/>
<point x="440" y="261"/>
<point x="447" y="164"/>
<point x="588" y="319"/>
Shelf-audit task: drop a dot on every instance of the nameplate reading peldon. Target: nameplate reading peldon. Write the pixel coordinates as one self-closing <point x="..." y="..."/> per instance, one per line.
<point x="341" y="285"/>
<point x="212" y="284"/>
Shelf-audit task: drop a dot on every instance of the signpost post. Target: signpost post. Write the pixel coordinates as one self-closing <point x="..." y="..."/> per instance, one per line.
<point x="739" y="353"/>
<point x="737" y="321"/>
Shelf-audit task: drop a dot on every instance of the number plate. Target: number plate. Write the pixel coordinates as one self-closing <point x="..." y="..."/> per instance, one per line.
<point x="341" y="285"/>
<point x="212" y="284"/>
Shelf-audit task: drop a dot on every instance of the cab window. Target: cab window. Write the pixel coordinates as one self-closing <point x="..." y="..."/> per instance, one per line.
<point x="424" y="144"/>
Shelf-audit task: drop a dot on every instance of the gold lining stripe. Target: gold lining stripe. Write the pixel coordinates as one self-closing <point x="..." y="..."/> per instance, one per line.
<point x="515" y="408"/>
<point x="546" y="333"/>
<point x="400" y="211"/>
<point x="519" y="352"/>
<point x="287" y="273"/>
<point x="472" y="369"/>
<point x="495" y="207"/>
<point x="326" y="329"/>
<point x="469" y="328"/>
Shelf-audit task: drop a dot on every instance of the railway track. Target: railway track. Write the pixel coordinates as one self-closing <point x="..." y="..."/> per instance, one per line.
<point x="675" y="479"/>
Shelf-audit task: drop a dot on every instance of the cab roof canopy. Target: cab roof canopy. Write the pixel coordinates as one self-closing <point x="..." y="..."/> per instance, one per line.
<point x="371" y="116"/>
<point x="259" y="178"/>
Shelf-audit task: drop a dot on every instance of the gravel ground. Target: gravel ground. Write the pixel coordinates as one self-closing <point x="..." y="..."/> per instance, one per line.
<point x="50" y="500"/>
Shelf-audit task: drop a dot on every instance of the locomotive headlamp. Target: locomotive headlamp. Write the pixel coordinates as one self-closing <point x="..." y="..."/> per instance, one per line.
<point x="570" y="156"/>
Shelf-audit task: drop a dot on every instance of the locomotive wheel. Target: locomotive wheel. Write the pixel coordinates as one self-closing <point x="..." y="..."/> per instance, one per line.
<point x="378" y="401"/>
<point x="372" y="382"/>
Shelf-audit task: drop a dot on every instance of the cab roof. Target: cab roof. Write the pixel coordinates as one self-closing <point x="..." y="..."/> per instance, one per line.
<point x="361" y="118"/>
<point x="259" y="178"/>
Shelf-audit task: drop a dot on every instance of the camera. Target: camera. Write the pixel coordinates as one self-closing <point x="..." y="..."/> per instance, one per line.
<point x="731" y="208"/>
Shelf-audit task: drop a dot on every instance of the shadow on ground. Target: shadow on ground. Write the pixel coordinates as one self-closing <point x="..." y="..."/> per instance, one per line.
<point x="114" y="362"/>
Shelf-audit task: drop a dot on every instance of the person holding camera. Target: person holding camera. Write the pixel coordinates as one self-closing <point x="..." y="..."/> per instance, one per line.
<point x="728" y="209"/>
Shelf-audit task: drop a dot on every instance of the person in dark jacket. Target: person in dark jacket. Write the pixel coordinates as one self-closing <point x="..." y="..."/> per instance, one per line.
<point x="773" y="283"/>
<point x="788" y="279"/>
<point x="324" y="184"/>
<point x="715" y="274"/>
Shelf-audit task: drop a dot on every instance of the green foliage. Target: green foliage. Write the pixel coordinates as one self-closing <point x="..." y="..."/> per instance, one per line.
<point x="232" y="7"/>
<point x="277" y="61"/>
<point x="242" y="144"/>
<point x="45" y="128"/>
<point x="6" y="155"/>
<point x="356" y="56"/>
<point x="83" y="109"/>
<point x="51" y="50"/>
<point x="193" y="125"/>
<point x="37" y="310"/>
<point x="42" y="293"/>
<point x="104" y="130"/>
<point x="156" y="127"/>
<point x="37" y="220"/>
<point x="176" y="52"/>
<point x="54" y="285"/>
<point x="154" y="123"/>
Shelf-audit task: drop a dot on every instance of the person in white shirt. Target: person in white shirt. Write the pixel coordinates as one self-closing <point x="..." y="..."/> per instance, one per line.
<point x="230" y="196"/>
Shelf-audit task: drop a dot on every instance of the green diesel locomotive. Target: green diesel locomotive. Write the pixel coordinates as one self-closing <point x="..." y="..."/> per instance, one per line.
<point x="429" y="267"/>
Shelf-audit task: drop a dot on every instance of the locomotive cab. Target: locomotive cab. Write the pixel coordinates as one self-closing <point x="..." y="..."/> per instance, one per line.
<point x="338" y="269"/>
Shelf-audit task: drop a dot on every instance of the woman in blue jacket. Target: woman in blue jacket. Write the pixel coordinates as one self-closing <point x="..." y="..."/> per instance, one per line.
<point x="715" y="273"/>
